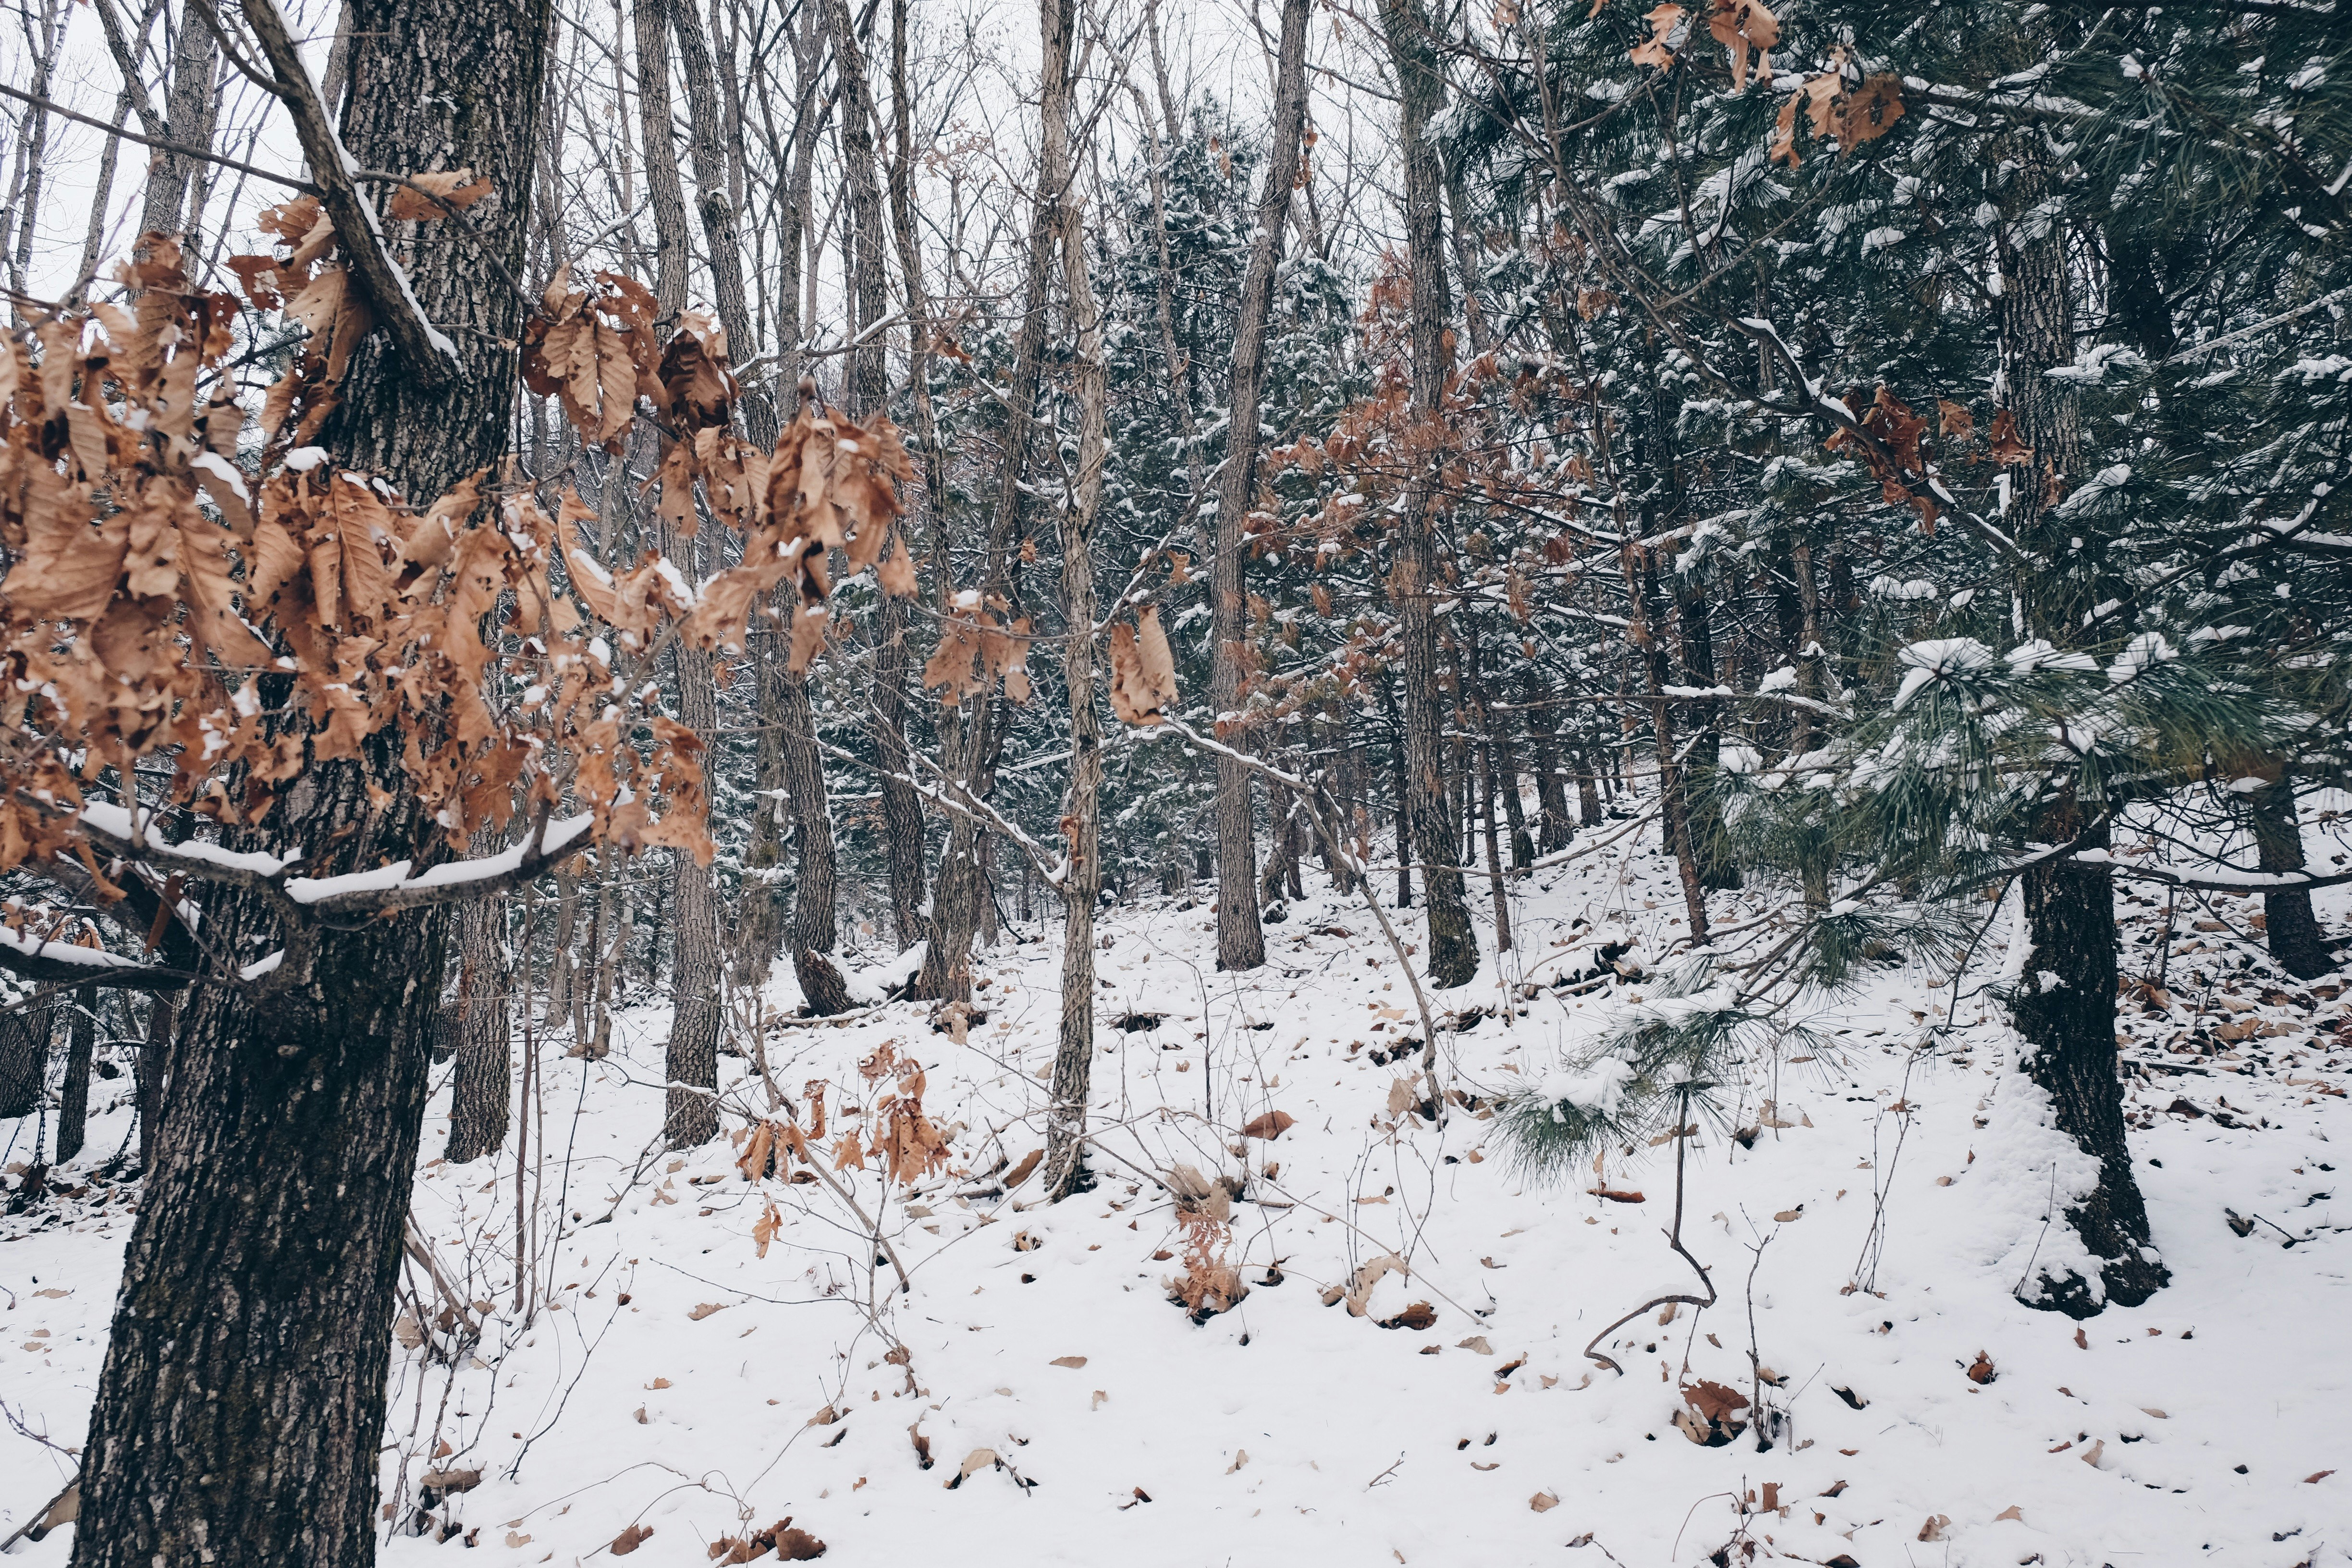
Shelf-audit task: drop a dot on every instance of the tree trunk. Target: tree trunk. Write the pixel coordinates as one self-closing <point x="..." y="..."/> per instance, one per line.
<point x="1647" y="636"/>
<point x="1709" y="841"/>
<point x="1240" y="942"/>
<point x="1066" y="1125"/>
<point x="815" y="925"/>
<point x="2065" y="1004"/>
<point x="2296" y="940"/>
<point x="869" y="394"/>
<point x="73" y="1098"/>
<point x="690" y="1063"/>
<point x="480" y="1089"/>
<point x="163" y="1017"/>
<point x="1453" y="947"/>
<point x="242" y="1399"/>
<point x="1403" y="803"/>
<point x="971" y="739"/>
<point x="1553" y="824"/>
<point x="766" y="914"/>
<point x="190" y="108"/>
<point x="24" y="1059"/>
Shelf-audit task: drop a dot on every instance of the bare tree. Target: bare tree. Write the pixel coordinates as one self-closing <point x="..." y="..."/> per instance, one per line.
<point x="1241" y="941"/>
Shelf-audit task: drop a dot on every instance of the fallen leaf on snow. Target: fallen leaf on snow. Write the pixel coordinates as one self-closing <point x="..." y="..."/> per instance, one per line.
<point x="1241" y="1457"/>
<point x="2011" y="1511"/>
<point x="1073" y="1362"/>
<point x="705" y="1309"/>
<point x="1543" y="1503"/>
<point x="629" y="1540"/>
<point x="974" y="1462"/>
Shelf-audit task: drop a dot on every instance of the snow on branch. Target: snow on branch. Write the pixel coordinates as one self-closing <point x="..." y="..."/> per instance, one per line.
<point x="64" y="962"/>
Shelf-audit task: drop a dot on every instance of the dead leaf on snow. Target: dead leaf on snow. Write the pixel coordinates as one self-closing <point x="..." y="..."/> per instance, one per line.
<point x="1270" y="1126"/>
<point x="1072" y="1361"/>
<point x="705" y="1309"/>
<point x="1544" y="1502"/>
<point x="974" y="1462"/>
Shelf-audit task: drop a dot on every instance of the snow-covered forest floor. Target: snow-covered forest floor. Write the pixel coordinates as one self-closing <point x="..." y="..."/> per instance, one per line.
<point x="1864" y="1234"/>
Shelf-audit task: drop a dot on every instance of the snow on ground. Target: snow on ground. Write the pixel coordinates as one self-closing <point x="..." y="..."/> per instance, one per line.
<point x="676" y="1379"/>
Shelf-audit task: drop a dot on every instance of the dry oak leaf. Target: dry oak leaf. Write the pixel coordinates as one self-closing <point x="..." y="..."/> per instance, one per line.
<point x="2005" y="448"/>
<point x="458" y="188"/>
<point x="1072" y="1361"/>
<point x="2011" y="1511"/>
<point x="974" y="1462"/>
<point x="1616" y="1195"/>
<point x="1270" y="1126"/>
<point x="1738" y="25"/>
<point x="1142" y="670"/>
<point x="705" y="1309"/>
<point x="1544" y="1502"/>
<point x="629" y="1540"/>
<point x="1980" y="1371"/>
<point x="1657" y="49"/>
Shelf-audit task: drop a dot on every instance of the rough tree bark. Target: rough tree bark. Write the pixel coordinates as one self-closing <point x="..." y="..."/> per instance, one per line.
<point x="766" y="911"/>
<point x="237" y="1416"/>
<point x="2065" y="999"/>
<point x="480" y="1089"/>
<point x="690" y="1062"/>
<point x="1241" y="941"/>
<point x="1453" y="948"/>
<point x="24" y="1059"/>
<point x="73" y="1096"/>
<point x="2296" y="940"/>
<point x="1066" y="1126"/>
<point x="869" y="394"/>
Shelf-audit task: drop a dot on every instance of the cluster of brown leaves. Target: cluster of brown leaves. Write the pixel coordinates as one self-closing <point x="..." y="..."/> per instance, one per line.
<point x="1210" y="1283"/>
<point x="977" y="649"/>
<point x="1892" y="451"/>
<point x="593" y="349"/>
<point x="307" y="613"/>
<point x="1846" y="114"/>
<point x="1142" y="670"/>
<point x="1709" y="1413"/>
<point x="789" y="1542"/>
<point x="897" y="1131"/>
<point x="1739" y="25"/>
<point x="899" y="1135"/>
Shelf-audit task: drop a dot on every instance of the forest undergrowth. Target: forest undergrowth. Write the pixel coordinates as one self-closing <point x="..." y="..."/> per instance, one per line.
<point x="1312" y="1322"/>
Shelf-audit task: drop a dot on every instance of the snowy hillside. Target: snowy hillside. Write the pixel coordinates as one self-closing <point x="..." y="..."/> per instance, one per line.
<point x="696" y="1365"/>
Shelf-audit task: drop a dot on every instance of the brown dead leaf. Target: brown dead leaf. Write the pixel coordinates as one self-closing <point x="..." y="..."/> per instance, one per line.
<point x="629" y="1540"/>
<point x="458" y="188"/>
<point x="1544" y="1502"/>
<point x="1072" y="1361"/>
<point x="1270" y="1126"/>
<point x="705" y="1309"/>
<point x="974" y="1462"/>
